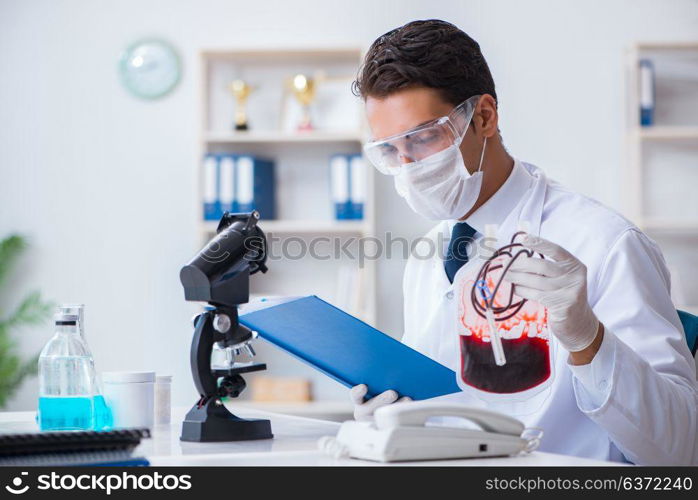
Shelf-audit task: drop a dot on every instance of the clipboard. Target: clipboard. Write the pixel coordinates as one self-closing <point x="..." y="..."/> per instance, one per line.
<point x="346" y="349"/>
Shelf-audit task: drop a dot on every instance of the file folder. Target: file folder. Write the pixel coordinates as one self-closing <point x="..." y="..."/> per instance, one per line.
<point x="339" y="186"/>
<point x="647" y="93"/>
<point x="255" y="186"/>
<point x="357" y="191"/>
<point x="226" y="188"/>
<point x="210" y="188"/>
<point x="347" y="349"/>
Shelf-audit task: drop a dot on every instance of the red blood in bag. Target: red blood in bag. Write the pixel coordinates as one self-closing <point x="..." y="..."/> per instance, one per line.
<point x="528" y="364"/>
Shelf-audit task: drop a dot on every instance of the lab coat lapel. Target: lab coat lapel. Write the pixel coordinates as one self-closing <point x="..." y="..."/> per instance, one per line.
<point x="529" y="209"/>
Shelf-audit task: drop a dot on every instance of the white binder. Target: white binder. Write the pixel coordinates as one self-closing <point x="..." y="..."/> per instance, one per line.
<point x="245" y="183"/>
<point x="210" y="187"/>
<point x="227" y="184"/>
<point x="358" y="186"/>
<point x="339" y="185"/>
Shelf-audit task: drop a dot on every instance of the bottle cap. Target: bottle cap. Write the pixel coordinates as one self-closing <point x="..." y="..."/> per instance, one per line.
<point x="70" y="308"/>
<point x="66" y="319"/>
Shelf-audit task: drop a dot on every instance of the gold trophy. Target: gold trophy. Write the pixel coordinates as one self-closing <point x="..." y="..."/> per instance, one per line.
<point x="303" y="88"/>
<point x="241" y="90"/>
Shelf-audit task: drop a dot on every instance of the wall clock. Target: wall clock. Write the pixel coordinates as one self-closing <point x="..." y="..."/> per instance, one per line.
<point x="150" y="69"/>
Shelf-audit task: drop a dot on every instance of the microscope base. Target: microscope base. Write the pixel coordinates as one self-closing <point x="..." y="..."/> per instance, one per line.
<point x="212" y="422"/>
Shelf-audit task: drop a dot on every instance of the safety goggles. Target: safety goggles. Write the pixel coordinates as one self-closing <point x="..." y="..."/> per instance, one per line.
<point x="389" y="155"/>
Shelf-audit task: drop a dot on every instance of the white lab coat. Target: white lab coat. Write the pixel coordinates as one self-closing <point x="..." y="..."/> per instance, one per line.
<point x="638" y="399"/>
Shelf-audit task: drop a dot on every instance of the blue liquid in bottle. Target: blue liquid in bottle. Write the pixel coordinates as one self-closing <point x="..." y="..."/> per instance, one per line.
<point x="104" y="419"/>
<point x="55" y="414"/>
<point x="65" y="413"/>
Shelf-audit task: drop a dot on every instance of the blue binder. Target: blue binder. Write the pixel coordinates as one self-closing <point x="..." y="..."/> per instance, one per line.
<point x="255" y="186"/>
<point x="647" y="92"/>
<point x="212" y="208"/>
<point x="226" y="184"/>
<point x="357" y="183"/>
<point x="339" y="186"/>
<point x="348" y="350"/>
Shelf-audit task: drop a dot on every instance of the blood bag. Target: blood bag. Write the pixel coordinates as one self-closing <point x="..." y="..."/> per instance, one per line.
<point x="506" y="354"/>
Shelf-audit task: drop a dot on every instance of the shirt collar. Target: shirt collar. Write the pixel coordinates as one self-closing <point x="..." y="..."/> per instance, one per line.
<point x="501" y="203"/>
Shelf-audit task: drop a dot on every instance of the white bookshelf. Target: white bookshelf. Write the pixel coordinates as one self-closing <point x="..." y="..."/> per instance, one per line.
<point x="661" y="168"/>
<point x="280" y="226"/>
<point x="304" y="208"/>
<point x="273" y="136"/>
<point x="668" y="133"/>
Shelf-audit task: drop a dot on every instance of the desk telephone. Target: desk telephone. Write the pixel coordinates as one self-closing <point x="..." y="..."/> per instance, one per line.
<point x="400" y="432"/>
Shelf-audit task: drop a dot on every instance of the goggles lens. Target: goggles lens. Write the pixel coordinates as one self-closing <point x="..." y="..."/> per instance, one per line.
<point x="390" y="154"/>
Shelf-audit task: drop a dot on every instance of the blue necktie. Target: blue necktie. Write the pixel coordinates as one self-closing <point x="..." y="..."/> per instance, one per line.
<point x="457" y="254"/>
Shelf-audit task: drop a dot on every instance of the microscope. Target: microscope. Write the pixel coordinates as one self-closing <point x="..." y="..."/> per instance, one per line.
<point x="219" y="275"/>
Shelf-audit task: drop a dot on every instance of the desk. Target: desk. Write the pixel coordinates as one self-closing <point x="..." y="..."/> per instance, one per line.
<point x="295" y="443"/>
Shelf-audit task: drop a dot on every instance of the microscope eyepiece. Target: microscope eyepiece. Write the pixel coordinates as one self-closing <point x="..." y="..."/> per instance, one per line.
<point x="219" y="273"/>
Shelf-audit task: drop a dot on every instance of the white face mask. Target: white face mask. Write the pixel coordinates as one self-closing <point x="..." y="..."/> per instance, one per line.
<point x="440" y="187"/>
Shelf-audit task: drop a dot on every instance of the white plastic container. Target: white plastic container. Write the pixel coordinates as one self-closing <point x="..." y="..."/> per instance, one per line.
<point x="130" y="395"/>
<point x="163" y="399"/>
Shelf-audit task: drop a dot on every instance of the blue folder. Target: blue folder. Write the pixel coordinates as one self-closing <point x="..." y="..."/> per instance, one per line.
<point x="347" y="349"/>
<point x="255" y="185"/>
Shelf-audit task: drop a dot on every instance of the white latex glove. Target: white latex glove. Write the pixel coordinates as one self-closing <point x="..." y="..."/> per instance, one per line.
<point x="363" y="410"/>
<point x="561" y="286"/>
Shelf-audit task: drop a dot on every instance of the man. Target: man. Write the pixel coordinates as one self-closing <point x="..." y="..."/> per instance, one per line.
<point x="624" y="385"/>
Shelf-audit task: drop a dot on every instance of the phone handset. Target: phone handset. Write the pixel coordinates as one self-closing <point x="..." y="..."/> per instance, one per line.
<point x="415" y="414"/>
<point x="399" y="433"/>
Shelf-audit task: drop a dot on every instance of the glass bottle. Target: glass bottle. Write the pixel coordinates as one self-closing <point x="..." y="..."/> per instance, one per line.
<point x="66" y="379"/>
<point x="103" y="418"/>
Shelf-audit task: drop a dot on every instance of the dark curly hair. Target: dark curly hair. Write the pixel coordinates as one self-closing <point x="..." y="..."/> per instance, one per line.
<point x="430" y="53"/>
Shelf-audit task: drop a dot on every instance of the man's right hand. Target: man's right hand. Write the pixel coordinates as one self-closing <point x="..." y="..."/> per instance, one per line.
<point x="363" y="410"/>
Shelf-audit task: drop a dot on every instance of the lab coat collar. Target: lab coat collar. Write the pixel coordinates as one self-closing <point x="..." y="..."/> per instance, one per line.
<point x="520" y="198"/>
<point x="502" y="203"/>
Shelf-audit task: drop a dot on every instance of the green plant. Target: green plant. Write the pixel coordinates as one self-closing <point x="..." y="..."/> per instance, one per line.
<point x="31" y="311"/>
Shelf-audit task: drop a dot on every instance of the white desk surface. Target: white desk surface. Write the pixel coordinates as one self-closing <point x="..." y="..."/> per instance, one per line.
<point x="295" y="443"/>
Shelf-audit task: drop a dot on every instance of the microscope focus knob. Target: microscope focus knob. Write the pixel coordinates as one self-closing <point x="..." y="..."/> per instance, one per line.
<point x="222" y="323"/>
<point x="195" y="319"/>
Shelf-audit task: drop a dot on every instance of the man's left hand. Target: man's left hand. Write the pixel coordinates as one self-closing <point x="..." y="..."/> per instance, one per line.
<point x="560" y="285"/>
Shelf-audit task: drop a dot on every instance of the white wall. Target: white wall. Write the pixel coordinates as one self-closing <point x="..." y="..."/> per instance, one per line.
<point x="103" y="184"/>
